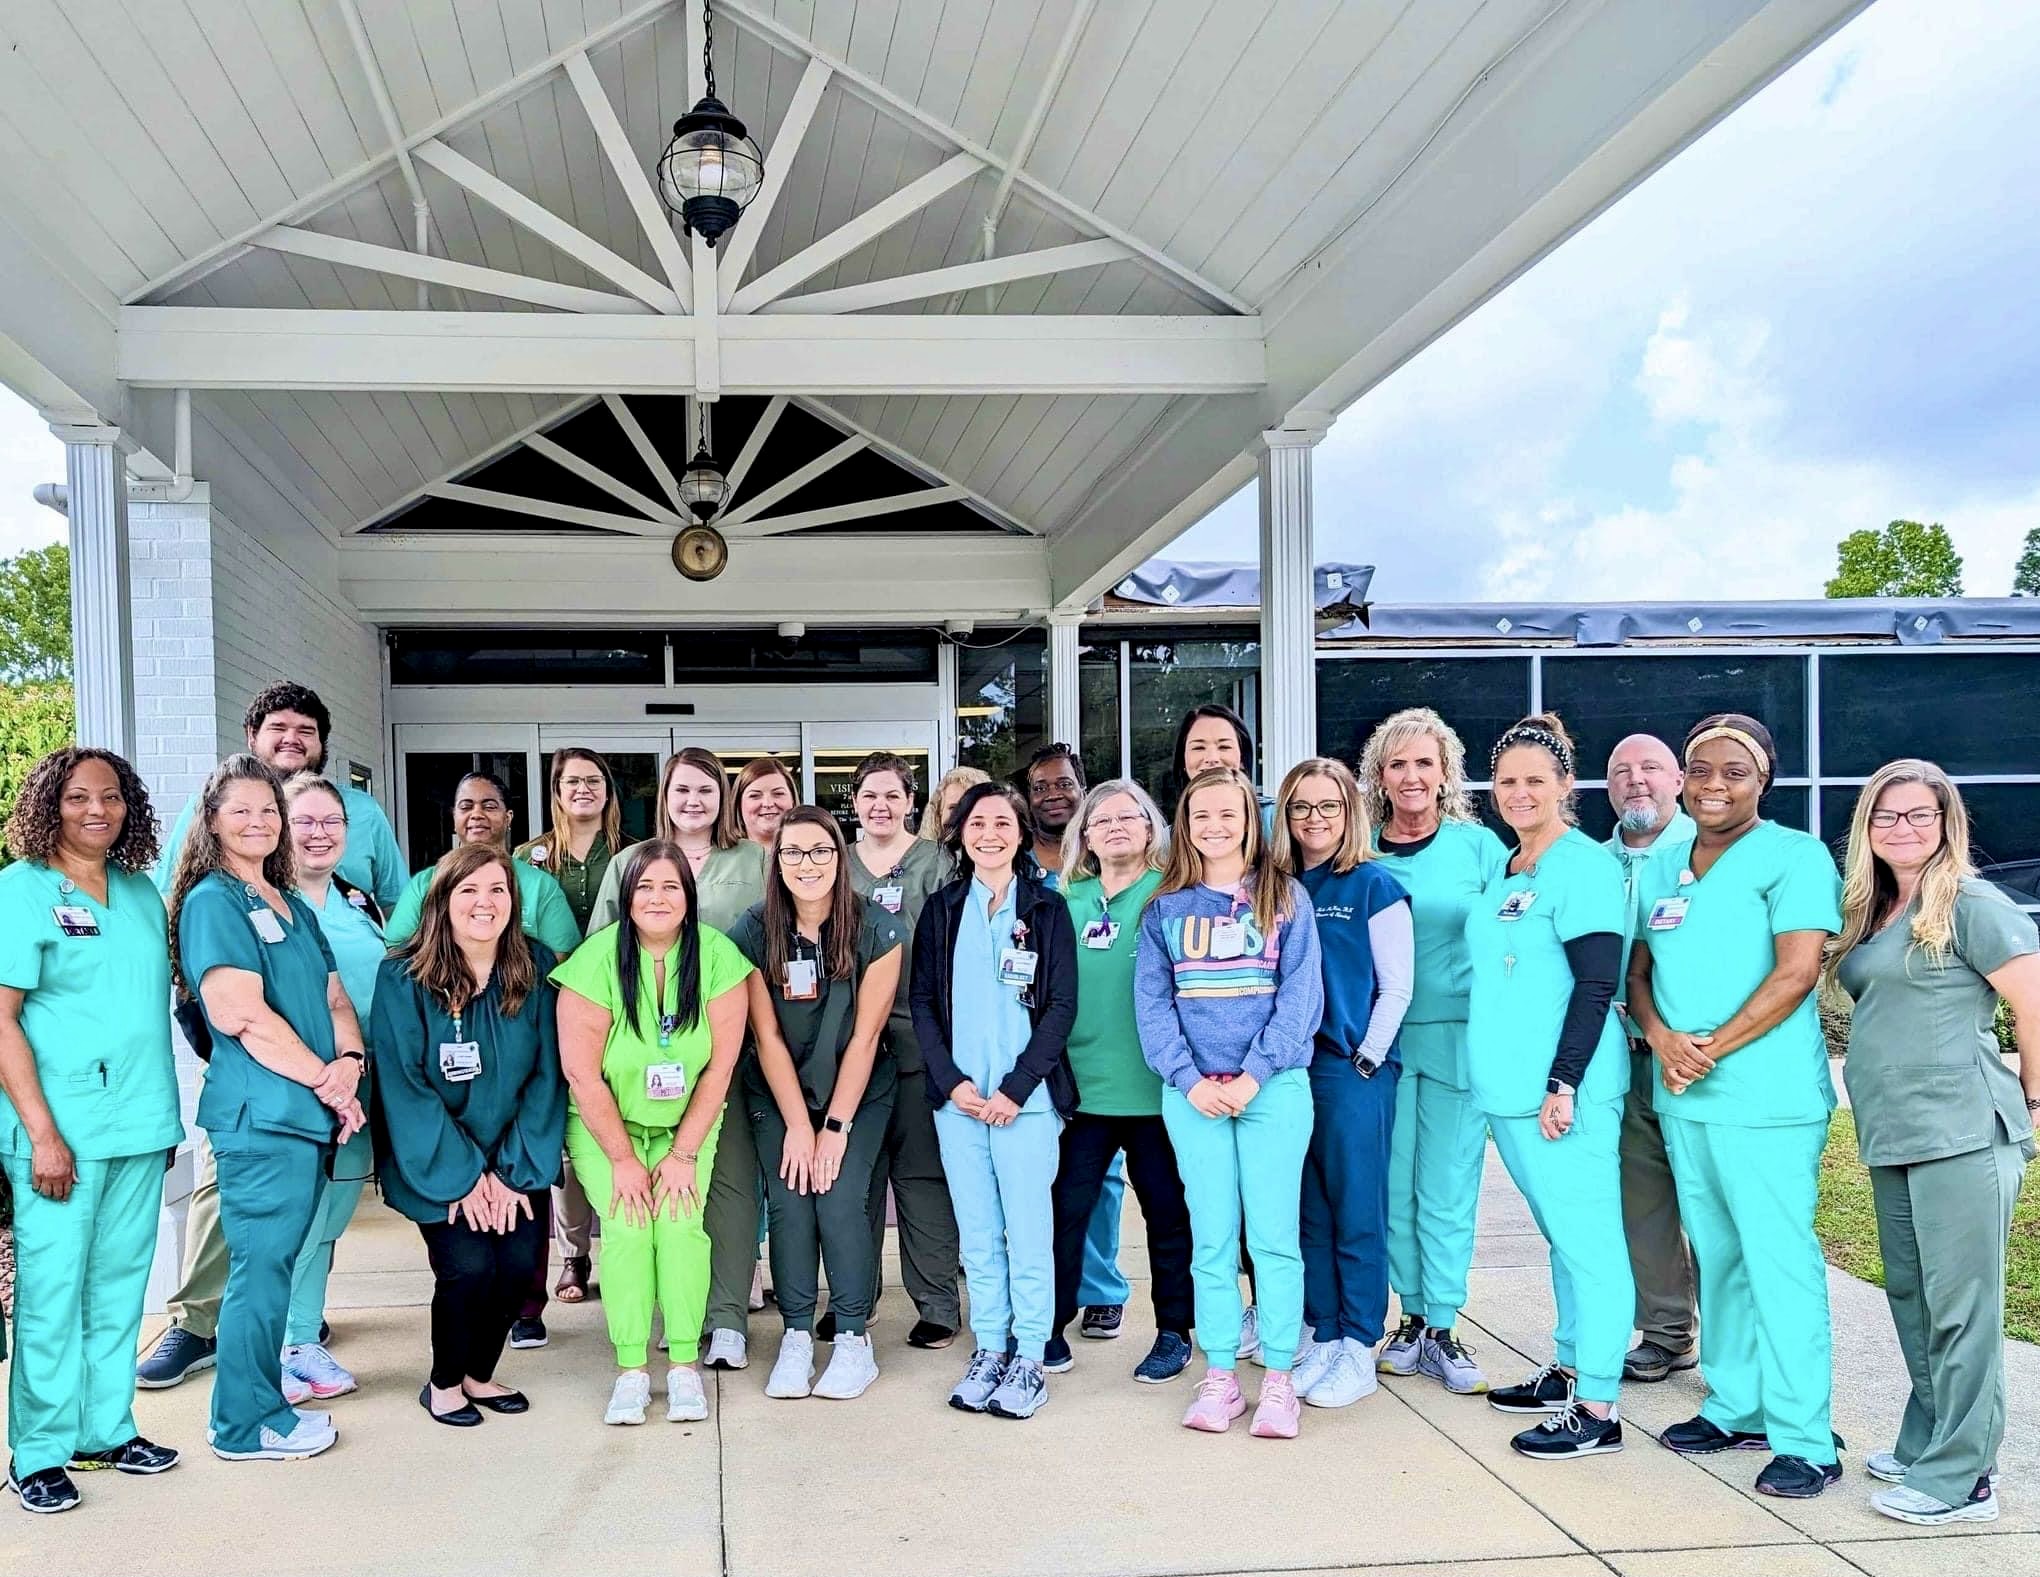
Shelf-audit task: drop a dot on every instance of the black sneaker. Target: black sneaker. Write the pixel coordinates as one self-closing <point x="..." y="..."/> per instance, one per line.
<point x="1572" y="1432"/>
<point x="927" y="1334"/>
<point x="1169" y="1357"/>
<point x="1549" y="1390"/>
<point x="528" y="1333"/>
<point x="136" y="1456"/>
<point x="46" y="1492"/>
<point x="825" y="1327"/>
<point x="175" y="1358"/>
<point x="1102" y="1321"/>
<point x="1700" y="1437"/>
<point x="1795" y="1478"/>
<point x="1056" y="1357"/>
<point x="1649" y="1361"/>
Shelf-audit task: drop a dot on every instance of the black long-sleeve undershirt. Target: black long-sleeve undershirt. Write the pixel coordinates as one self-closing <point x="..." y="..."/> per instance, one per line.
<point x="1596" y="961"/>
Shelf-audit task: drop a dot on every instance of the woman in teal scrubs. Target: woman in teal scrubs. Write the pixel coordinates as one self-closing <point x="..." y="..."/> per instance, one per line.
<point x="88" y="1114"/>
<point x="1546" y="1062"/>
<point x="1413" y="772"/>
<point x="1721" y="984"/>
<point x="280" y="1091"/>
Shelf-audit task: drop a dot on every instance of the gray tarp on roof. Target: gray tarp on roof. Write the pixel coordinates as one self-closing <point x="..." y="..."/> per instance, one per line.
<point x="1910" y="621"/>
<point x="1185" y="585"/>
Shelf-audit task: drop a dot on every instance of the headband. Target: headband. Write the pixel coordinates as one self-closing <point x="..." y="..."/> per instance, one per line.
<point x="1748" y="741"/>
<point x="1532" y="734"/>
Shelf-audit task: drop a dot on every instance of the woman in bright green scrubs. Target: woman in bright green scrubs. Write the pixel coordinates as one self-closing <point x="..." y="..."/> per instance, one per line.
<point x="280" y="1091"/>
<point x="1927" y="952"/>
<point x="1721" y="984"/>
<point x="88" y="1114"/>
<point x="652" y="1013"/>
<point x="1413" y="773"/>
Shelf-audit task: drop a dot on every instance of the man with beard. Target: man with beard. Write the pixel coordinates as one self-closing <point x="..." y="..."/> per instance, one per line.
<point x="1644" y="780"/>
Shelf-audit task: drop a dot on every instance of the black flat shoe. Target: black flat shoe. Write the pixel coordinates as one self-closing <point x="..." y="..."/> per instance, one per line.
<point x="927" y="1334"/>
<point x="460" y="1418"/>
<point x="508" y="1402"/>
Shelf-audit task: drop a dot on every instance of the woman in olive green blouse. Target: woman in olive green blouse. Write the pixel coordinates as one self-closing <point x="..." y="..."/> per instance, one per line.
<point x="1926" y="951"/>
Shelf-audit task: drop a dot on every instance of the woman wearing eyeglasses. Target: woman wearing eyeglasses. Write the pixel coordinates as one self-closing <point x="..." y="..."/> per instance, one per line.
<point x="1927" y="951"/>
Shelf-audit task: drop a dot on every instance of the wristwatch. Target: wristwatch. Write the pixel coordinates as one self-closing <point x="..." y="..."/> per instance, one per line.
<point x="836" y="1125"/>
<point x="1558" y="1087"/>
<point x="359" y="1056"/>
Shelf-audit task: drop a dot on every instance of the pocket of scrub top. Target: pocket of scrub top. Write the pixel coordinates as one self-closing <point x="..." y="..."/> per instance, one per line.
<point x="1905" y="1115"/>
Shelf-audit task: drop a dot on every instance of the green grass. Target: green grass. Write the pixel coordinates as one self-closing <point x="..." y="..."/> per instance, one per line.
<point x="1847" y="1223"/>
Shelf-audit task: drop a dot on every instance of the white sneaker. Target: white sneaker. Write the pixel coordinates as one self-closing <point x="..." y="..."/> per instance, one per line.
<point x="728" y="1350"/>
<point x="295" y="1388"/>
<point x="1250" y="1334"/>
<point x="307" y="1439"/>
<point x="1909" y="1505"/>
<point x="627" y="1403"/>
<point x="1313" y="1358"/>
<point x="793" y="1371"/>
<point x="320" y="1370"/>
<point x="1348" y="1377"/>
<point x="686" y="1402"/>
<point x="852" y="1368"/>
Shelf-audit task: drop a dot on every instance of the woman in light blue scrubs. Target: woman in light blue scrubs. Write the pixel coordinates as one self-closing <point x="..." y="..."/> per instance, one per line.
<point x="1721" y="983"/>
<point x="88" y="1115"/>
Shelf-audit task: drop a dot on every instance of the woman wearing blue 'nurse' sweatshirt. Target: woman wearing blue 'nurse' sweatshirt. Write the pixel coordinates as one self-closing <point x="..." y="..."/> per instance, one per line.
<point x="1228" y="998"/>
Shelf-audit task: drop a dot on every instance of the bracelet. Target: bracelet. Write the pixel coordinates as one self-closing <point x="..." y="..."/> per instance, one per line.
<point x="2033" y="1103"/>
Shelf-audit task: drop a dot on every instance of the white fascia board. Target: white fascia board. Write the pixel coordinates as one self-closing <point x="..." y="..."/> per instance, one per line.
<point x="526" y="352"/>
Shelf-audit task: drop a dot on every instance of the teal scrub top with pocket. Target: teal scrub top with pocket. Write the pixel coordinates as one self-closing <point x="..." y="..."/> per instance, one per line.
<point x="218" y="929"/>
<point x="95" y="984"/>
<point x="1516" y="931"/>
<point x="1712" y="944"/>
<point x="1443" y="879"/>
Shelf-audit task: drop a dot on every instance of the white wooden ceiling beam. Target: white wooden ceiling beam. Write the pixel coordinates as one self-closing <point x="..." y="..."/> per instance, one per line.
<point x="843" y="514"/>
<point x="593" y="474"/>
<point x="961" y="276"/>
<point x="443" y="271"/>
<point x="792" y="482"/>
<point x="641" y="441"/>
<point x="754" y="442"/>
<point x="741" y="242"/>
<point x="544" y="509"/>
<point x="651" y="213"/>
<point x="839" y="243"/>
<point x="548" y="226"/>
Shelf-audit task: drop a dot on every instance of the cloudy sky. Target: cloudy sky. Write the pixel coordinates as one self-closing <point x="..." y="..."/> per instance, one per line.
<point x="1820" y="317"/>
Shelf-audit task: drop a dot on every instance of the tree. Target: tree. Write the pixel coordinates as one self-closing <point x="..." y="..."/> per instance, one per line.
<point x="35" y="615"/>
<point x="34" y="720"/>
<point x="2026" y="578"/>
<point x="1905" y="559"/>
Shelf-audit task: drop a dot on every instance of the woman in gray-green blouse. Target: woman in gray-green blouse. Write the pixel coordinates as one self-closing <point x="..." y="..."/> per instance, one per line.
<point x="1926" y="950"/>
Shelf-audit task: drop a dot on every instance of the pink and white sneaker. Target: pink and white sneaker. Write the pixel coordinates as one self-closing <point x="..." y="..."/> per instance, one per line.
<point x="1218" y="1403"/>
<point x="1277" y="1415"/>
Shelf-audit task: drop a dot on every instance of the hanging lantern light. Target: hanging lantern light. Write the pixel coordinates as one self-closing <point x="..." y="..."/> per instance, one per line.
<point x="703" y="487"/>
<point x="711" y="169"/>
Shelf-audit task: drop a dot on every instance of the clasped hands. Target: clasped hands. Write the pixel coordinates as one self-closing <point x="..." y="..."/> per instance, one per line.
<point x="338" y="1091"/>
<point x="1683" y="1059"/>
<point x="490" y="1206"/>
<point x="640" y="1192"/>
<point x="810" y="1162"/>
<point x="1227" y="1099"/>
<point x="995" y="1111"/>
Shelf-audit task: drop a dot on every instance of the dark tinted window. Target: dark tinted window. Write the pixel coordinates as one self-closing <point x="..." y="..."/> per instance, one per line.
<point x="1968" y="711"/>
<point x="1098" y="695"/>
<point x="1477" y="696"/>
<point x="527" y="657"/>
<point x="1001" y="700"/>
<point x="818" y="657"/>
<point x="1605" y="699"/>
<point x="1167" y="677"/>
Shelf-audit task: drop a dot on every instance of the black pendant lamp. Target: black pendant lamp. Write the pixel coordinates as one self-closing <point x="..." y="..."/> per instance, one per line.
<point x="703" y="487"/>
<point x="711" y="170"/>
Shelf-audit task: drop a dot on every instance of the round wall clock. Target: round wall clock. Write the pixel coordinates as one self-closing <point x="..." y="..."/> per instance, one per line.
<point x="700" y="553"/>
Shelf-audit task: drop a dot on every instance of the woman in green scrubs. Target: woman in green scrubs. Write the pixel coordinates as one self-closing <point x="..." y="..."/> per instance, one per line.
<point x="1721" y="984"/>
<point x="1546" y="1063"/>
<point x="651" y="1017"/>
<point x="280" y="1091"/>
<point x="482" y="814"/>
<point x="88" y="1114"/>
<point x="1413" y="771"/>
<point x="473" y="1110"/>
<point x="1927" y="951"/>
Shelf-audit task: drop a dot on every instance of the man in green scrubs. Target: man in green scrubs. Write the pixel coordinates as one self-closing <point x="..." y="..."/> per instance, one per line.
<point x="481" y="814"/>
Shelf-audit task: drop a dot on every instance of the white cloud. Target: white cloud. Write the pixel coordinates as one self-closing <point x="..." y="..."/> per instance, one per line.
<point x="28" y="455"/>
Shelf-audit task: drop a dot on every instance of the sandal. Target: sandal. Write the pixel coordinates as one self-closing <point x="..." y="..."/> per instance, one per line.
<point x="573" y="1282"/>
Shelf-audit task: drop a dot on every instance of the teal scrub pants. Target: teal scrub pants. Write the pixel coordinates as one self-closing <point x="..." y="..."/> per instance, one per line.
<point x="81" y="1269"/>
<point x="1103" y="1284"/>
<point x="1249" y="1165"/>
<point x="1001" y="1183"/>
<point x="1437" y="1148"/>
<point x="1747" y="1197"/>
<point x="337" y="1201"/>
<point x="1573" y="1186"/>
<point x="269" y="1193"/>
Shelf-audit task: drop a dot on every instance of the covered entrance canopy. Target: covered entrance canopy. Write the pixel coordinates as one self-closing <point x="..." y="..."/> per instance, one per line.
<point x="375" y="302"/>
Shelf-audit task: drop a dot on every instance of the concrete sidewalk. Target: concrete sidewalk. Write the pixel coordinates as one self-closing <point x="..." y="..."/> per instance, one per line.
<point x="1103" y="1482"/>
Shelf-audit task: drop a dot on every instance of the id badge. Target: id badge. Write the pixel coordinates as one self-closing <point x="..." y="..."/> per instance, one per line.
<point x="1516" y="905"/>
<point x="666" y="1081"/>
<point x="75" y="920"/>
<point x="889" y="898"/>
<point x="1667" y="914"/>
<point x="1016" y="966"/>
<point x="1228" y="938"/>
<point x="1101" y="934"/>
<point x="267" y="926"/>
<point x="459" y="1060"/>
<point x="803" y="980"/>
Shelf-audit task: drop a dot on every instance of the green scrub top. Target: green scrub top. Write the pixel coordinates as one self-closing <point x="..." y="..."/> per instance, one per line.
<point x="545" y="914"/>
<point x="1923" y="1070"/>
<point x="920" y="874"/>
<point x="1113" y="1078"/>
<point x="373" y="861"/>
<point x="817" y="1030"/>
<point x="1709" y="960"/>
<point x="1671" y="845"/>
<point x="592" y="973"/>
<point x="359" y="951"/>
<point x="437" y="1134"/>
<point x="728" y="883"/>
<point x="216" y="930"/>
<point x="580" y="880"/>
<point x="1442" y="879"/>
<point x="1523" y="982"/>
<point x="95" y="1011"/>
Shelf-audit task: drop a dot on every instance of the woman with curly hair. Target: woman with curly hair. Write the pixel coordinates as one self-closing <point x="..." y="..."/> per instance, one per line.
<point x="88" y="1112"/>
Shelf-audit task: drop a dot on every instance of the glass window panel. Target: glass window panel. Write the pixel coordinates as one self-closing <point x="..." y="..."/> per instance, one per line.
<point x="833" y="769"/>
<point x="1605" y="699"/>
<point x="1168" y="676"/>
<point x="1001" y="701"/>
<point x="2004" y="831"/>
<point x="1098" y="706"/>
<point x="818" y="657"/>
<point x="1477" y="696"/>
<point x="431" y="776"/>
<point x="637" y="789"/>
<point x="527" y="657"/>
<point x="1967" y="711"/>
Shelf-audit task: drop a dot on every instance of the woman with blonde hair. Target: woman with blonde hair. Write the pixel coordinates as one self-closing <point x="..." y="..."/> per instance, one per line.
<point x="1413" y="777"/>
<point x="946" y="796"/>
<point x="1926" y="952"/>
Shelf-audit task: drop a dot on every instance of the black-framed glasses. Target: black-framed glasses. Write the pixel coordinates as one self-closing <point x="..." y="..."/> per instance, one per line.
<point x="1920" y="816"/>
<point x="820" y="856"/>
<point x="1323" y="809"/>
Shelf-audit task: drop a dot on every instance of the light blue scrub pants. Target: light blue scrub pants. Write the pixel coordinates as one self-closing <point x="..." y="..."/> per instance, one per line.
<point x="315" y="1260"/>
<point x="1001" y="1183"/>
<point x="1102" y="1284"/>
<point x="269" y="1192"/>
<point x="1251" y="1164"/>
<point x="81" y="1269"/>
<point x="1574" y="1188"/>
<point x="1436" y="1151"/>
<point x="1747" y="1197"/>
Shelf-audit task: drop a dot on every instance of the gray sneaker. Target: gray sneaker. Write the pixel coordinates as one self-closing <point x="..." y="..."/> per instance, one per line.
<point x="1405" y="1345"/>
<point x="1022" y="1393"/>
<point x="1445" y="1359"/>
<point x="979" y="1381"/>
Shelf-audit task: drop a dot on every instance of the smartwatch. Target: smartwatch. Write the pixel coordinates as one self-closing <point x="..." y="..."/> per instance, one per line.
<point x="835" y="1125"/>
<point x="1558" y="1087"/>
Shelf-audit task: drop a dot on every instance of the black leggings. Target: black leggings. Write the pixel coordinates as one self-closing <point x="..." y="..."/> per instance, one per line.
<point x="480" y="1280"/>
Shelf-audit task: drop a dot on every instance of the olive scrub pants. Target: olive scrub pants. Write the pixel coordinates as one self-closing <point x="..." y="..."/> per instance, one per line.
<point x="812" y="1230"/>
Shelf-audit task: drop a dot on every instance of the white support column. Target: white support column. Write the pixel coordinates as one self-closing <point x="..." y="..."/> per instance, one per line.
<point x="1288" y="603"/>
<point x="1065" y="708"/>
<point x="102" y="640"/>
